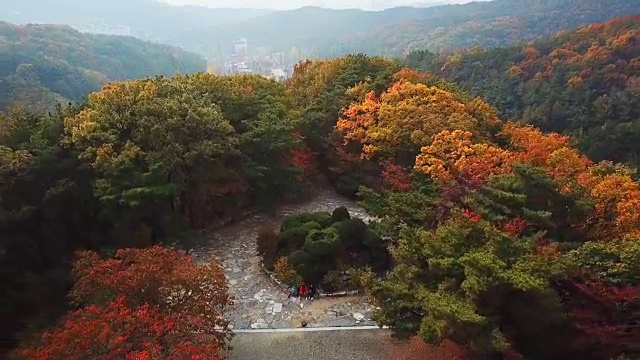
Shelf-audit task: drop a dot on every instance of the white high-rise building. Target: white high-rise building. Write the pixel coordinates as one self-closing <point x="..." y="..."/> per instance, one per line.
<point x="240" y="47"/>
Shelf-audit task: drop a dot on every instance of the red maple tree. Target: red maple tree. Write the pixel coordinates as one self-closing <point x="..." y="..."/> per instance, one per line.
<point x="515" y="226"/>
<point x="302" y="160"/>
<point x="116" y="331"/>
<point x="141" y="304"/>
<point x="395" y="177"/>
<point x="607" y="317"/>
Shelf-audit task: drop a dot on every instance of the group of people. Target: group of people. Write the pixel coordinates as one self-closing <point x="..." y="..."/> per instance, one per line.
<point x="303" y="291"/>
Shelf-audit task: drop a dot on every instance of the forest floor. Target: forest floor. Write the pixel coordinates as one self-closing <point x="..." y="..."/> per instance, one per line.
<point x="260" y="303"/>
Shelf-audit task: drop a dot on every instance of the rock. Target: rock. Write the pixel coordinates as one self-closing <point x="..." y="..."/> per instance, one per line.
<point x="345" y="321"/>
<point x="358" y="316"/>
<point x="259" y="324"/>
<point x="277" y="308"/>
<point x="243" y="324"/>
<point x="278" y="324"/>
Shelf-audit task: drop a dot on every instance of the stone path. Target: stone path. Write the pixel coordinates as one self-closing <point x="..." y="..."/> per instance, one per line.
<point x="259" y="302"/>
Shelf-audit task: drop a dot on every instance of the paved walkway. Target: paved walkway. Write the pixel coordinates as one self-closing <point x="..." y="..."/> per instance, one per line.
<point x="344" y="344"/>
<point x="259" y="302"/>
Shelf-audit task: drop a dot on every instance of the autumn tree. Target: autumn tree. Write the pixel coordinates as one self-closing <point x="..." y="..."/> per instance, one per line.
<point x="115" y="331"/>
<point x="394" y="177"/>
<point x="47" y="210"/>
<point x="579" y="83"/>
<point x="453" y="154"/>
<point x="260" y="113"/>
<point x="603" y="298"/>
<point x="142" y="303"/>
<point x="406" y="117"/>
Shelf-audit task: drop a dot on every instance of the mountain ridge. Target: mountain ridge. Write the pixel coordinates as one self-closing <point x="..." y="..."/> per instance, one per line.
<point x="41" y="65"/>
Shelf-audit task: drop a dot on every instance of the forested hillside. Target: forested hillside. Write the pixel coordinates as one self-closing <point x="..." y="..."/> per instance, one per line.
<point x="140" y="163"/>
<point x="41" y="65"/>
<point x="317" y="32"/>
<point x="505" y="240"/>
<point x="160" y="21"/>
<point x="583" y="83"/>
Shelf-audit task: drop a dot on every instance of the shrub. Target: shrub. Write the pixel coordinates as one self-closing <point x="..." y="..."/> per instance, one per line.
<point x="321" y="242"/>
<point x="293" y="239"/>
<point x="372" y="240"/>
<point x="323" y="218"/>
<point x="268" y="246"/>
<point x="351" y="233"/>
<point x="347" y="186"/>
<point x="336" y="280"/>
<point x="312" y="269"/>
<point x="285" y="272"/>
<point x="361" y="278"/>
<point x="352" y="279"/>
<point x="340" y="214"/>
<point x="299" y="257"/>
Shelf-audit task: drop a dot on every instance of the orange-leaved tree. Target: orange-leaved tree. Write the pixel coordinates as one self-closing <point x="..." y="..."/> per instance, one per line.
<point x="154" y="302"/>
<point x="453" y="154"/>
<point x="406" y="117"/>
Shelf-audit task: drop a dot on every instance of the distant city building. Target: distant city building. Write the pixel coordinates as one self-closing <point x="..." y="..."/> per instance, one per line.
<point x="106" y="29"/>
<point x="278" y="74"/>
<point x="240" y="47"/>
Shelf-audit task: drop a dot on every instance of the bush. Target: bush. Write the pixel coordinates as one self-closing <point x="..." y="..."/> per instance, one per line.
<point x="311" y="268"/>
<point x="347" y="186"/>
<point x="285" y="272"/>
<point x="323" y="218"/>
<point x="317" y="243"/>
<point x="336" y="280"/>
<point x="372" y="240"/>
<point x="321" y="242"/>
<point x="352" y="233"/>
<point x="353" y="279"/>
<point x="293" y="239"/>
<point x="298" y="258"/>
<point x="268" y="246"/>
<point x="361" y="278"/>
<point x="340" y="214"/>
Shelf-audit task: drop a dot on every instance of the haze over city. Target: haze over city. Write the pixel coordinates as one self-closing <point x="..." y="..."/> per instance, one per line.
<point x="292" y="4"/>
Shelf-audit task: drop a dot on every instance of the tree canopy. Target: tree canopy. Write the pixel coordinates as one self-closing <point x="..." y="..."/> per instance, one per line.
<point x="42" y="65"/>
<point x="582" y="83"/>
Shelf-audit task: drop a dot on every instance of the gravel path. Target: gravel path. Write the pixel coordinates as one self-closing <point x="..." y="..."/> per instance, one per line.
<point x="336" y="345"/>
<point x="259" y="302"/>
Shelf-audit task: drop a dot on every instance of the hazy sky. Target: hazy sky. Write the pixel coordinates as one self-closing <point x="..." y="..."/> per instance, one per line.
<point x="292" y="4"/>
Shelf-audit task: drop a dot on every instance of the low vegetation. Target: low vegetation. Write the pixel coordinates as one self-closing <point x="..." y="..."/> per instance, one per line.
<point x="328" y="249"/>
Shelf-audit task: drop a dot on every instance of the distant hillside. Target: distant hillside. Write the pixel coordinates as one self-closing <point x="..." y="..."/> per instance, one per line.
<point x="44" y="64"/>
<point x="148" y="19"/>
<point x="317" y="32"/>
<point x="584" y="83"/>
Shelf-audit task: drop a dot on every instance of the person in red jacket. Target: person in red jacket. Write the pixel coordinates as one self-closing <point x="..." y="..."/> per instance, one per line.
<point x="304" y="290"/>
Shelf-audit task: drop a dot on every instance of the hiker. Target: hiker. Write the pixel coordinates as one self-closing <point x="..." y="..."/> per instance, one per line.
<point x="293" y="292"/>
<point x="312" y="292"/>
<point x="304" y="290"/>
